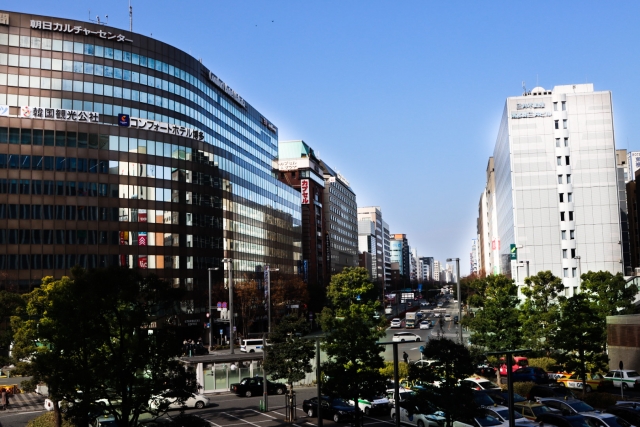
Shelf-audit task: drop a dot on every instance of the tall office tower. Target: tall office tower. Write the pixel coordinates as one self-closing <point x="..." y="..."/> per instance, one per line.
<point x="298" y="167"/>
<point x="427" y="268"/>
<point x="371" y="239"/>
<point x="386" y="248"/>
<point x="400" y="254"/>
<point x="436" y="271"/>
<point x="341" y="221"/>
<point x="556" y="185"/>
<point x="414" y="264"/>
<point x="117" y="149"/>
<point x="473" y="257"/>
<point x="487" y="226"/>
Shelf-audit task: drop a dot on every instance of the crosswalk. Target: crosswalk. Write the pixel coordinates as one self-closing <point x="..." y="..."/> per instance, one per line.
<point x="24" y="402"/>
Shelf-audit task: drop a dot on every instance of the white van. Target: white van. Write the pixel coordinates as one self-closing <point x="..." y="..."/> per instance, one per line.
<point x="251" y="345"/>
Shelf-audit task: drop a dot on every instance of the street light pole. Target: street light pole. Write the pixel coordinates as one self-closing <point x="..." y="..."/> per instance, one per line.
<point x="457" y="260"/>
<point x="231" y="334"/>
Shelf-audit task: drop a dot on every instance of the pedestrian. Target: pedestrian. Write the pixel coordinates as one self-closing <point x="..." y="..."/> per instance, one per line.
<point x="405" y="356"/>
<point x="4" y="399"/>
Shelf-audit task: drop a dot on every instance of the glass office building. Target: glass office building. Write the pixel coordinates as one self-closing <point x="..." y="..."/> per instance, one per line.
<point x="118" y="149"/>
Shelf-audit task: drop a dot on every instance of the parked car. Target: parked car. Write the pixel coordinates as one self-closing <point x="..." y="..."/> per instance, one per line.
<point x="483" y="419"/>
<point x="478" y="383"/>
<point x="557" y="371"/>
<point x="566" y="406"/>
<point x="532" y="410"/>
<point x="628" y="411"/>
<point x="174" y="399"/>
<point x="563" y="421"/>
<point x="404" y="394"/>
<point x="373" y="404"/>
<point x="486" y="370"/>
<point x="253" y="386"/>
<point x="502" y="413"/>
<point x="396" y="323"/>
<point x="605" y="420"/>
<point x="456" y="319"/>
<point x="594" y="382"/>
<point x="336" y="409"/>
<point x="405" y="336"/>
<point x="105" y="420"/>
<point x="626" y="377"/>
<point x="482" y="399"/>
<point x="420" y="414"/>
<point x="447" y="317"/>
<point x="518" y="362"/>
<point x="425" y="362"/>
<point x="502" y="397"/>
<point x="533" y="374"/>
<point x="551" y="390"/>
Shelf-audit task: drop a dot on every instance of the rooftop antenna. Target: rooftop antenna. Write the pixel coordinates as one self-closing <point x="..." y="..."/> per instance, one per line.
<point x="130" y="17"/>
<point x="524" y="87"/>
<point x="97" y="20"/>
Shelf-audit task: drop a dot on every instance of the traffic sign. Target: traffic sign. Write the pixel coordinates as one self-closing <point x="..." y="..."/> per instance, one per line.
<point x="514" y="251"/>
<point x="621" y="365"/>
<point x="421" y="348"/>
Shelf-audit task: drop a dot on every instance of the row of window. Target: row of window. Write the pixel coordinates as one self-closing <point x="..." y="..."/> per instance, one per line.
<point x="562" y="180"/>
<point x="564" y="106"/>
<point x="126" y="57"/>
<point x="569" y="197"/>
<point x="557" y="124"/>
<point x="58" y="212"/>
<point x="565" y="272"/>
<point x="248" y="140"/>
<point x="58" y="237"/>
<point x="567" y="161"/>
<point x="566" y="142"/>
<point x="563" y="234"/>
<point x="569" y="216"/>
<point x="565" y="253"/>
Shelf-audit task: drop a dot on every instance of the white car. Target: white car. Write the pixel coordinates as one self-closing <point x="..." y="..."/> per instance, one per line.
<point x="171" y="399"/>
<point x="373" y="404"/>
<point x="502" y="413"/>
<point x="425" y="324"/>
<point x="396" y="323"/>
<point x="405" y="336"/>
<point x="479" y="383"/>
<point x="416" y="416"/>
<point x="603" y="420"/>
<point x="628" y="378"/>
<point x="447" y="317"/>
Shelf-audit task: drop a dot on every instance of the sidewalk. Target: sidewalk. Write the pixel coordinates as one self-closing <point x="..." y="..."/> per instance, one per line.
<point x="25" y="402"/>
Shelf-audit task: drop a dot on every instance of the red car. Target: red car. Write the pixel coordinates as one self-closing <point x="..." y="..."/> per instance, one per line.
<point x="518" y="362"/>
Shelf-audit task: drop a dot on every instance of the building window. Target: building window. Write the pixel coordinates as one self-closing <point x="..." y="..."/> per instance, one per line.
<point x="556" y="124"/>
<point x="569" y="197"/>
<point x="564" y="105"/>
<point x="568" y="178"/>
<point x="561" y="216"/>
<point x="573" y="272"/>
<point x="555" y="106"/>
<point x="564" y="253"/>
<point x="564" y="124"/>
<point x="564" y="235"/>
<point x="570" y="215"/>
<point x="566" y="160"/>
<point x="559" y="160"/>
<point x="566" y="142"/>
<point x="557" y="142"/>
<point x="559" y="179"/>
<point x="572" y="234"/>
<point x="561" y="197"/>
<point x="573" y="253"/>
<point x="565" y="272"/>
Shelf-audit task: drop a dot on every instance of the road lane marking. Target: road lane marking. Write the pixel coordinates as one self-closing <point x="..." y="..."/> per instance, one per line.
<point x="264" y="413"/>
<point x="244" y="421"/>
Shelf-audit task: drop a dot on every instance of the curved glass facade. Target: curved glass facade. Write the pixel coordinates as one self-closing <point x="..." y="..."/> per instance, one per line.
<point x="185" y="182"/>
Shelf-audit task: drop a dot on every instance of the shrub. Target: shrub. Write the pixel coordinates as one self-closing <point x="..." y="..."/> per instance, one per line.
<point x="48" y="420"/>
<point x="600" y="400"/>
<point x="523" y="388"/>
<point x="387" y="371"/>
<point x="543" y="362"/>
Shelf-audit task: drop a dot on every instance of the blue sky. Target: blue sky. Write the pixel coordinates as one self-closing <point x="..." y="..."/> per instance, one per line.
<point x="404" y="98"/>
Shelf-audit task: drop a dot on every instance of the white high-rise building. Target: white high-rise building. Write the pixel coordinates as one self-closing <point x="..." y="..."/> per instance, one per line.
<point x="436" y="271"/>
<point x="556" y="186"/>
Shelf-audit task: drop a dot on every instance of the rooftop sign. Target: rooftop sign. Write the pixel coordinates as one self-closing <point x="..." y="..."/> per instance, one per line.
<point x="222" y="85"/>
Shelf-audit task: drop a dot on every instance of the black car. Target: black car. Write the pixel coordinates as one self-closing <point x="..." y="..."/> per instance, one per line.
<point x="530" y="373"/>
<point x="552" y="390"/>
<point x="563" y="421"/>
<point x="485" y="369"/>
<point x="629" y="412"/>
<point x="336" y="409"/>
<point x="253" y="386"/>
<point x="502" y="397"/>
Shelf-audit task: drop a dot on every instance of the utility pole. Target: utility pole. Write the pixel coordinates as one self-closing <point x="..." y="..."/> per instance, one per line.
<point x="231" y="326"/>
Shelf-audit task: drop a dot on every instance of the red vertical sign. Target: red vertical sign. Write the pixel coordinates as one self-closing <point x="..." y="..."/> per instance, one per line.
<point x="304" y="191"/>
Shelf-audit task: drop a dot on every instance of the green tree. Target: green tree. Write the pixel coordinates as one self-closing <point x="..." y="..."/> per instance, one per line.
<point x="88" y="338"/>
<point x="609" y="294"/>
<point x="351" y="332"/>
<point x="456" y="363"/>
<point x="10" y="302"/>
<point x="581" y="338"/>
<point x="540" y="310"/>
<point x="496" y="325"/>
<point x="289" y="353"/>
